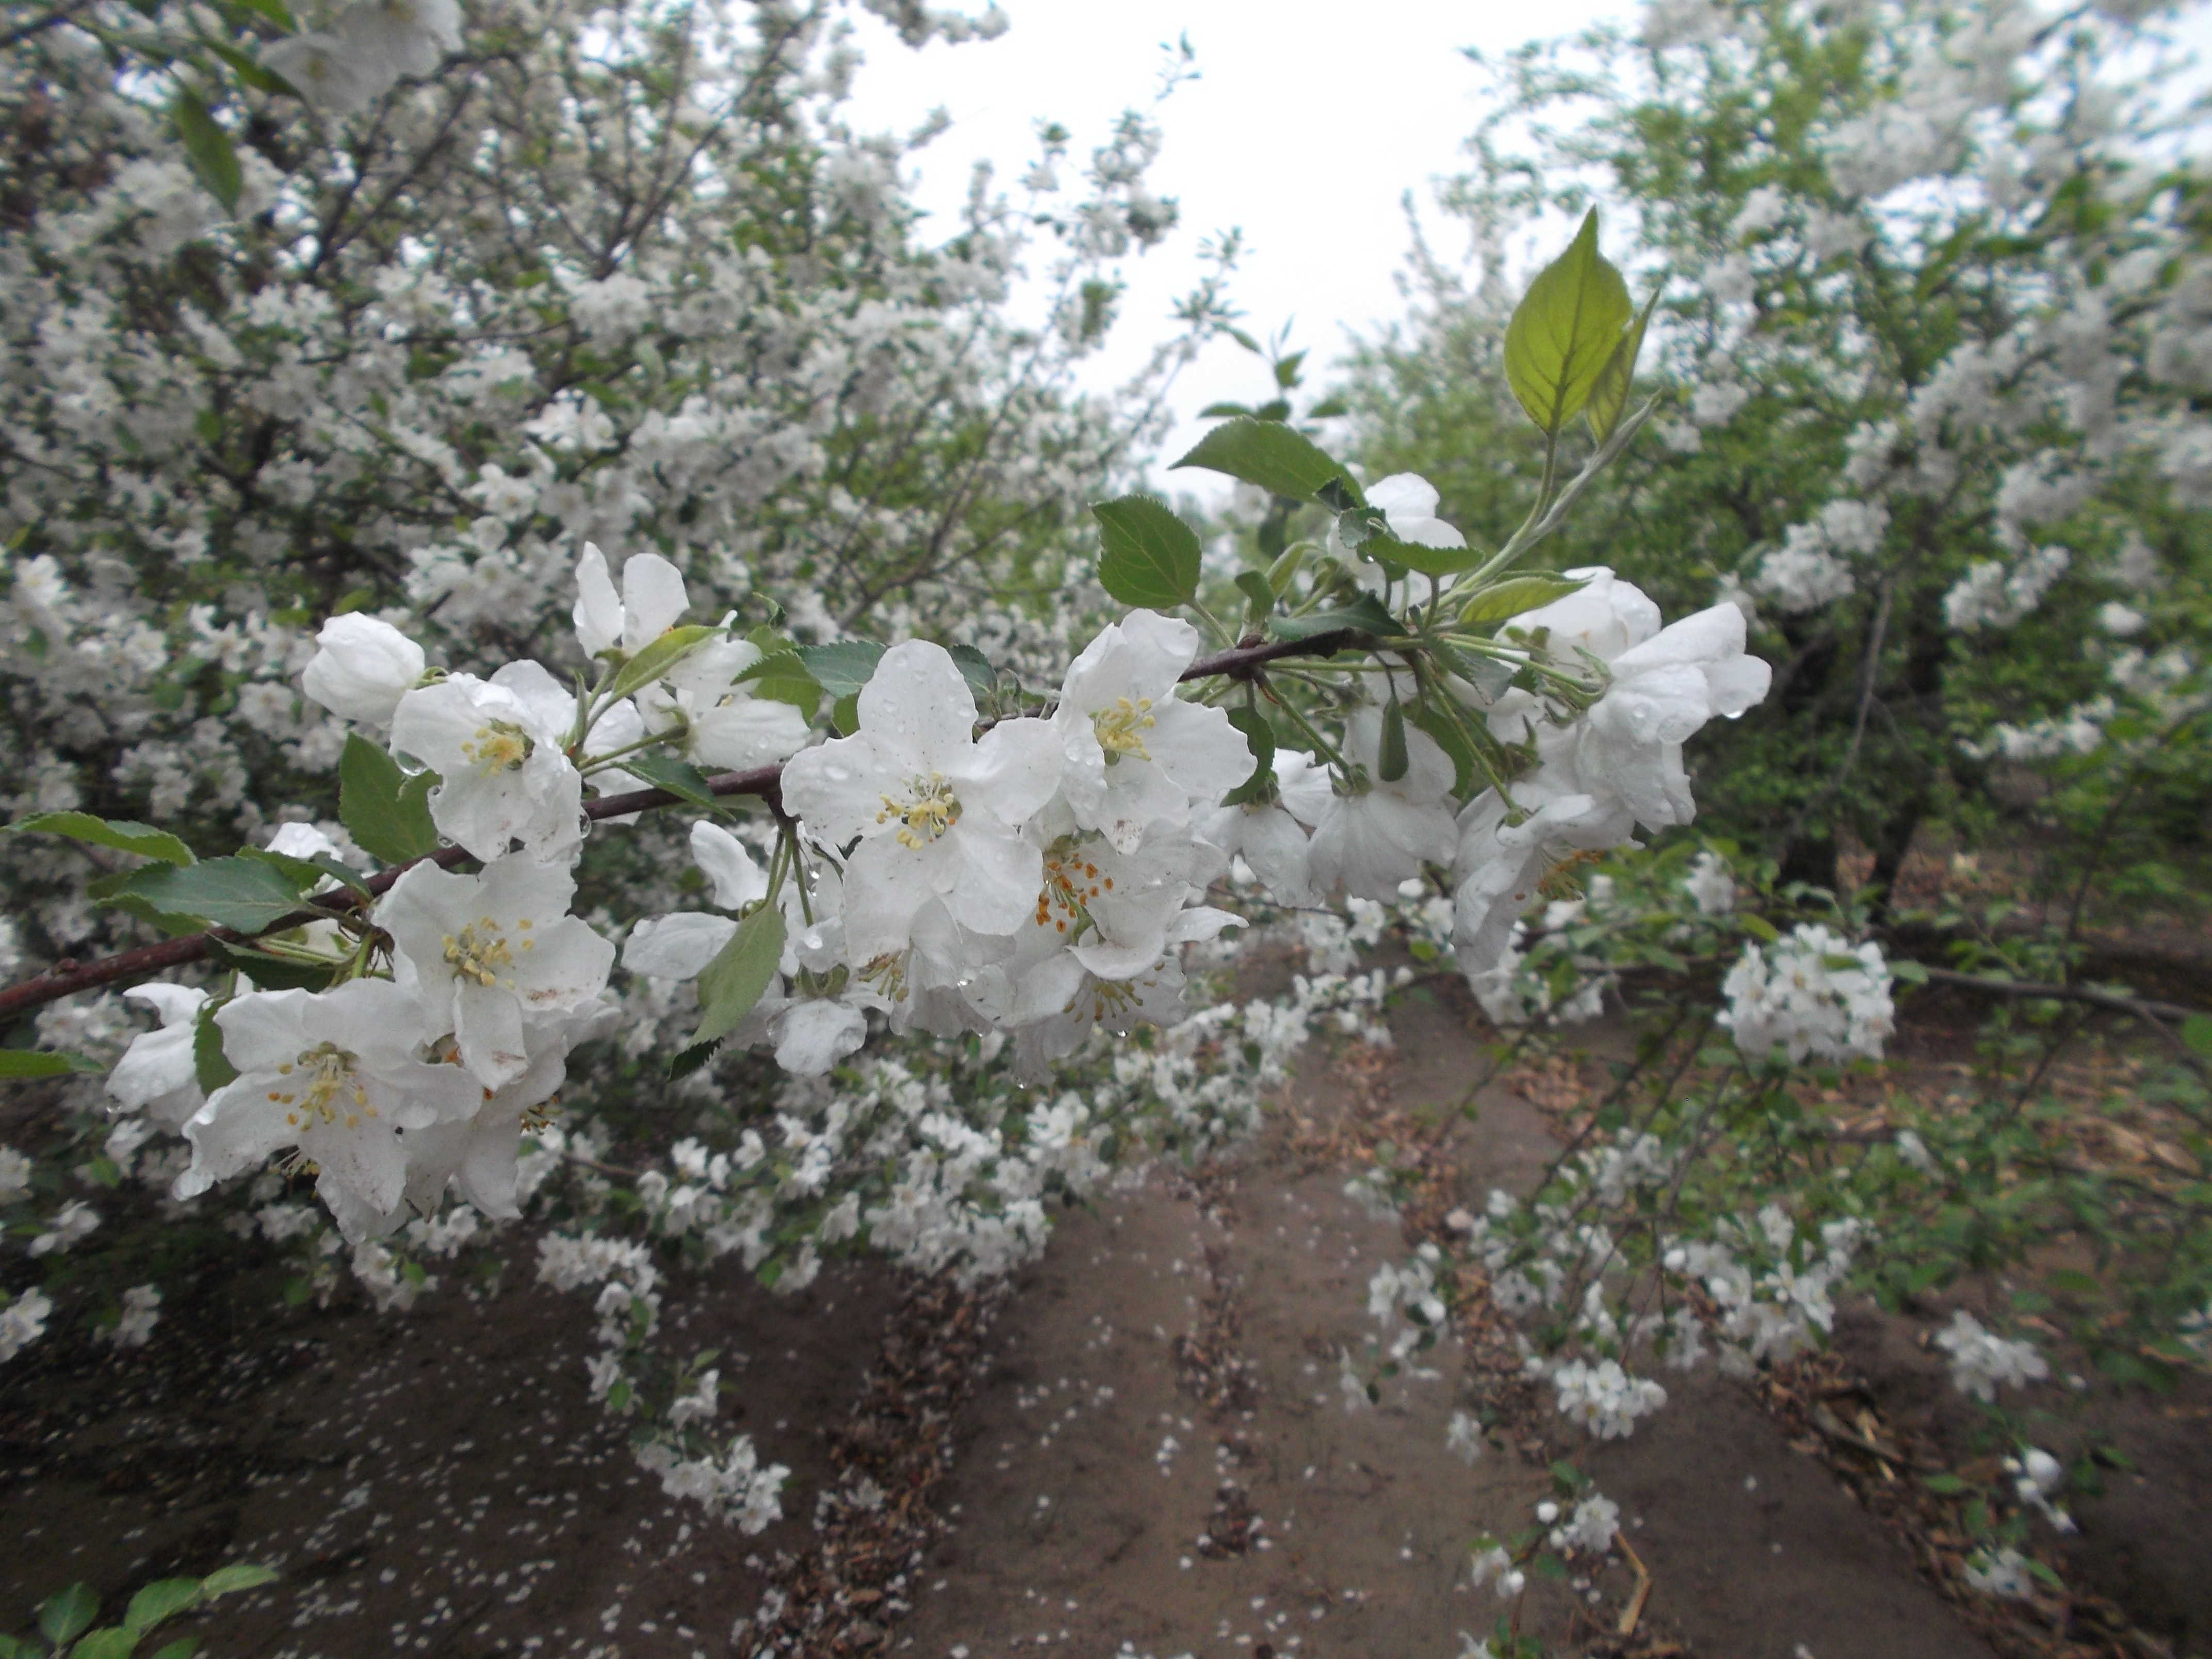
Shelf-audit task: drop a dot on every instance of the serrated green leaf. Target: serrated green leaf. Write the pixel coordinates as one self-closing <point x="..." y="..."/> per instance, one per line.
<point x="1367" y="616"/>
<point x="64" y="1617"/>
<point x="1609" y="397"/>
<point x="121" y="835"/>
<point x="783" y="677"/>
<point x="212" y="1068"/>
<point x="245" y="894"/>
<point x="1387" y="550"/>
<point x="245" y="1575"/>
<point x="1502" y="601"/>
<point x="976" y="668"/>
<point x="1565" y="330"/>
<point x="735" y="980"/>
<point x="384" y="809"/>
<point x="305" y="874"/>
<point x="680" y="778"/>
<point x="1279" y="458"/>
<point x="1259" y="597"/>
<point x="19" y="1063"/>
<point x="690" y="1059"/>
<point x="658" y="657"/>
<point x="842" y="666"/>
<point x="165" y="1598"/>
<point x="208" y="146"/>
<point x="1149" y="557"/>
<point x="1758" y="927"/>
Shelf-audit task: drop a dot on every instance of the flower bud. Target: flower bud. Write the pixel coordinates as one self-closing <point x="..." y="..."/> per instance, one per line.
<point x="362" y="670"/>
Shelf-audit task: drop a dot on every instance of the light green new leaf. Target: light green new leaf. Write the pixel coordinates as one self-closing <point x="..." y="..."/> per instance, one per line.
<point x="384" y="809"/>
<point x="1609" y="397"/>
<point x="123" y="834"/>
<point x="1565" y="330"/>
<point x="208" y="146"/>
<point x="1502" y="601"/>
<point x="735" y="980"/>
<point x="1279" y="458"/>
<point x="658" y="658"/>
<point x="246" y="1575"/>
<point x="1387" y="549"/>
<point x="243" y="893"/>
<point x="781" y="676"/>
<point x="680" y="778"/>
<point x="1150" y="556"/>
<point x="842" y="666"/>
<point x="17" y="1064"/>
<point x="63" y="1616"/>
<point x="183" y="1647"/>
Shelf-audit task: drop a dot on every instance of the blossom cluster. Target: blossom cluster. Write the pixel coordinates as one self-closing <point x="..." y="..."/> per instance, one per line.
<point x="1813" y="993"/>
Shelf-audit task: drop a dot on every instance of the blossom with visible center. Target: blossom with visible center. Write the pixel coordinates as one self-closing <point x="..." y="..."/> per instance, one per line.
<point x="651" y="600"/>
<point x="1135" y="751"/>
<point x="362" y="668"/>
<point x="503" y="777"/>
<point x="334" y="1074"/>
<point x="489" y="953"/>
<point x="936" y="813"/>
<point x="157" y="1074"/>
<point x="1505" y="846"/>
<point x="1378" y="833"/>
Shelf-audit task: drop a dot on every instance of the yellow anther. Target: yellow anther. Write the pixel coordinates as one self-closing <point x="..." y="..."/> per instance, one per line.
<point x="933" y="809"/>
<point x="1121" y="727"/>
<point x="497" y="746"/>
<point x="478" y="953"/>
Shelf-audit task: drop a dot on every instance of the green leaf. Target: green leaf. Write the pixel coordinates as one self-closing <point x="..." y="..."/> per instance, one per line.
<point x="691" y="1059"/>
<point x="2197" y="1032"/>
<point x="386" y="810"/>
<point x="1260" y="739"/>
<point x="1565" y="330"/>
<point x="1944" y="1486"/>
<point x="208" y="146"/>
<point x="1502" y="601"/>
<point x="734" y="980"/>
<point x="976" y="668"/>
<point x="63" y="1617"/>
<point x="845" y="713"/>
<point x="245" y="894"/>
<point x="842" y="666"/>
<point x="1758" y="927"/>
<point x="124" y="835"/>
<point x="680" y="778"/>
<point x="246" y="1575"/>
<point x="1279" y="458"/>
<point x="1386" y="548"/>
<point x="1367" y="616"/>
<point x="1392" y="761"/>
<point x="212" y="1068"/>
<point x="276" y="11"/>
<point x="658" y="657"/>
<point x="274" y="973"/>
<point x="183" y="1647"/>
<point x="1452" y="741"/>
<point x="307" y="874"/>
<point x="1260" y="597"/>
<point x="21" y="1063"/>
<point x="14" y="1647"/>
<point x="111" y="1643"/>
<point x="1150" y="556"/>
<point x="1609" y="397"/>
<point x="781" y="676"/>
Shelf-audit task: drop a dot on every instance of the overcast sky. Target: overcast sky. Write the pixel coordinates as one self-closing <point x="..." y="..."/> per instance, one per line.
<point x="1298" y="104"/>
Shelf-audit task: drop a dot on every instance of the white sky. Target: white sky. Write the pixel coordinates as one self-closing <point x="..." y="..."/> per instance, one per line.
<point x="1308" y="125"/>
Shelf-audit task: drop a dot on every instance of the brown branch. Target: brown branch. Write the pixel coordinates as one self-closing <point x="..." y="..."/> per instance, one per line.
<point x="2160" y="1016"/>
<point x="67" y="976"/>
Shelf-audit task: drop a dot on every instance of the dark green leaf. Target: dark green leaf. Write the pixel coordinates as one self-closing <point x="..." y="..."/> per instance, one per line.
<point x="658" y="657"/>
<point x="680" y="778"/>
<point x="245" y="1575"/>
<point x="842" y="666"/>
<point x="1392" y="761"/>
<point x="17" y="1064"/>
<point x="212" y="1068"/>
<point x="1452" y="741"/>
<point x="974" y="668"/>
<point x="64" y="1616"/>
<point x="208" y="146"/>
<point x="1387" y="550"/>
<point x="845" y="714"/>
<point x="386" y="810"/>
<point x="111" y="1643"/>
<point x="14" y="1647"/>
<point x="1565" y="330"/>
<point x="735" y="980"/>
<point x="1150" y="556"/>
<point x="1367" y="616"/>
<point x="1944" y="1486"/>
<point x="274" y="973"/>
<point x="185" y="1646"/>
<point x="1279" y="458"/>
<point x="165" y="1598"/>
<point x="2197" y="1032"/>
<point x="1261" y="598"/>
<point x="1502" y="601"/>
<point x="783" y="676"/>
<point x="249" y="72"/>
<point x="1758" y="926"/>
<point x="1260" y="739"/>
<point x="691" y="1059"/>
<point x="245" y="894"/>
<point x="124" y="835"/>
<point x="1609" y="397"/>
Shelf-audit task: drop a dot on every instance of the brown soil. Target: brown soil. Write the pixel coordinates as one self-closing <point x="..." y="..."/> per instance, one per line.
<point x="1141" y="1449"/>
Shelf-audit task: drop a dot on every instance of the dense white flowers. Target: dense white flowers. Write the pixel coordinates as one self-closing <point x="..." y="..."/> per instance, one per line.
<point x="1813" y="993"/>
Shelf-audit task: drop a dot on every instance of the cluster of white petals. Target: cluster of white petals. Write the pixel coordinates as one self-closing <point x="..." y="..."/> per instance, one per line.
<point x="1813" y="993"/>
